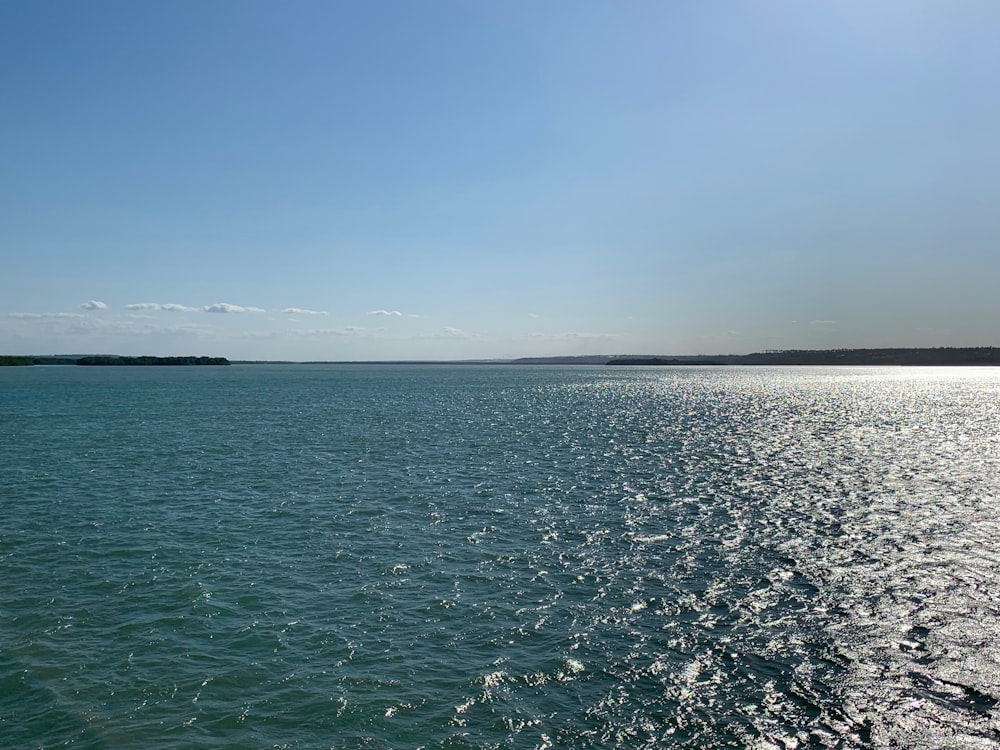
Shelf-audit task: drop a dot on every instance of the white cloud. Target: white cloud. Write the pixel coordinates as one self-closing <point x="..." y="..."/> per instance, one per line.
<point x="169" y="307"/>
<point x="303" y="311"/>
<point x="94" y="304"/>
<point x="225" y="307"/>
<point x="822" y="322"/>
<point x="391" y="313"/>
<point x="452" y="331"/>
<point x="534" y="315"/>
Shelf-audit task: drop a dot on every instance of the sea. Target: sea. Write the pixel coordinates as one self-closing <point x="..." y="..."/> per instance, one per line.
<point x="451" y="556"/>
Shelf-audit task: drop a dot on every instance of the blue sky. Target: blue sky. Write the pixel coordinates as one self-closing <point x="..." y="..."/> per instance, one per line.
<point x="428" y="179"/>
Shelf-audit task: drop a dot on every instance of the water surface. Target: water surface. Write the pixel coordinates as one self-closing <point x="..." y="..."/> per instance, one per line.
<point x="499" y="557"/>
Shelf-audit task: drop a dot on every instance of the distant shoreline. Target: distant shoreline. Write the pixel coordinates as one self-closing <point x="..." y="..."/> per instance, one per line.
<point x="938" y="356"/>
<point x="944" y="356"/>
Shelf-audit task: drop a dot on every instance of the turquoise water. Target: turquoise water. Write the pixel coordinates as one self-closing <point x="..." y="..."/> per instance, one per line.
<point x="499" y="557"/>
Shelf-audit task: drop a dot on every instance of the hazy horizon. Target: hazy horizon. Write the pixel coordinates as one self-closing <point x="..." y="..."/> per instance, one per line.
<point x="444" y="181"/>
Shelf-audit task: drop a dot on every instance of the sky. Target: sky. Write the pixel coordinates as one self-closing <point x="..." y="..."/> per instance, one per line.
<point x="426" y="179"/>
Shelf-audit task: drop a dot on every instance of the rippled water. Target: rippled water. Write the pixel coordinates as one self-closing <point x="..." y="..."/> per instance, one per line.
<point x="499" y="557"/>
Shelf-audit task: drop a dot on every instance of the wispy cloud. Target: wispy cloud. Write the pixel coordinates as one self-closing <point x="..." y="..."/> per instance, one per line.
<point x="822" y="322"/>
<point x="82" y="324"/>
<point x="43" y="316"/>
<point x="444" y="333"/>
<point x="225" y="307"/>
<point x="303" y="311"/>
<point x="322" y="332"/>
<point x="390" y="313"/>
<point x="574" y="336"/>
<point x="94" y="304"/>
<point x="534" y="315"/>
<point x="130" y="327"/>
<point x="169" y="307"/>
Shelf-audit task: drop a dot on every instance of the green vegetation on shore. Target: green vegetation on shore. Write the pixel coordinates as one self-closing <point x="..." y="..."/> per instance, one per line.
<point x="110" y="360"/>
<point x="150" y="361"/>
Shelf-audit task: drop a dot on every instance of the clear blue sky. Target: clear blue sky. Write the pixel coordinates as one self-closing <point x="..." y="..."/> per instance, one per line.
<point x="427" y="179"/>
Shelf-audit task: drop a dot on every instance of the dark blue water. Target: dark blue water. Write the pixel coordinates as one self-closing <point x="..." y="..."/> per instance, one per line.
<point x="499" y="557"/>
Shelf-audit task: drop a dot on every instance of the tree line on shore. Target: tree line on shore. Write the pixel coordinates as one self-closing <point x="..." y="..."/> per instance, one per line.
<point x="114" y="361"/>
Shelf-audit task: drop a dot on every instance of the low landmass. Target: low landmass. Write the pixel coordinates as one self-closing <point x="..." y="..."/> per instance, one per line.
<point x="980" y="355"/>
<point x="589" y="359"/>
